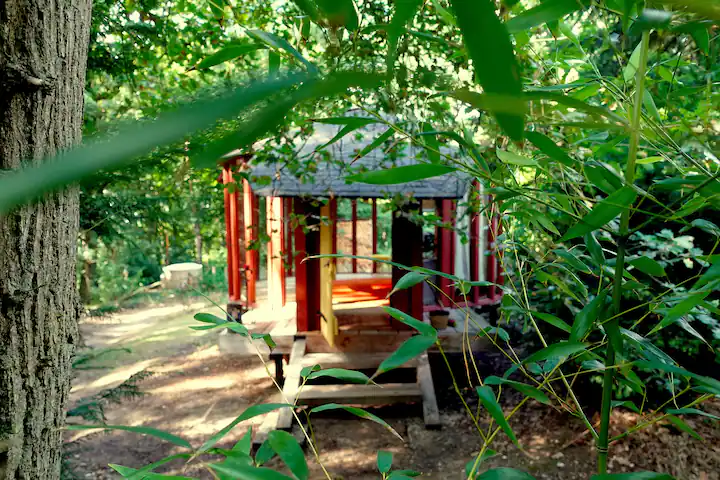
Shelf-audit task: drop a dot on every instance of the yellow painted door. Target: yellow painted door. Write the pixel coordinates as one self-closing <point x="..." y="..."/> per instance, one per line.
<point x="328" y="322"/>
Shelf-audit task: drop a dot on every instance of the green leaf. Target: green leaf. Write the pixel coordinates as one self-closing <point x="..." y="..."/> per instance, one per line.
<point x="586" y="317"/>
<point x="132" y="140"/>
<point x="410" y="348"/>
<point x="572" y="260"/>
<point x="142" y="473"/>
<point x="546" y="223"/>
<point x="594" y="249"/>
<point x="514" y="158"/>
<point x="602" y="213"/>
<point x="341" y="374"/>
<point x="248" y="472"/>
<point x="704" y="225"/>
<point x="209" y="318"/>
<point x="505" y="474"/>
<point x="249" y="413"/>
<point x="632" y="66"/>
<point x="405" y="174"/>
<point x="681" y="425"/>
<point x="387" y="135"/>
<point x="384" y="461"/>
<point x="488" y="44"/>
<point x="550" y="148"/>
<point x="227" y="53"/>
<point x="680" y="310"/>
<point x="339" y="13"/>
<point x="265" y="338"/>
<point x="487" y="398"/>
<point x="309" y="8"/>
<point x="546" y="12"/>
<point x="702" y="38"/>
<point x="403" y="14"/>
<point x="525" y="389"/>
<point x="153" y="432"/>
<point x="290" y="452"/>
<point x="625" y="404"/>
<point x="409" y="280"/>
<point x="282" y="44"/>
<point x="132" y="473"/>
<point x="351" y="124"/>
<point x="264" y="453"/>
<point x="633" y="476"/>
<point x="560" y="349"/>
<point x="443" y="13"/>
<point x="359" y="412"/>
<point x="648" y="265"/>
<point x="237" y="328"/>
<point x="552" y="320"/>
<point x="422" y="327"/>
<point x="476" y="462"/>
<point x="691" y="411"/>
<point x="245" y="443"/>
<point x="710" y="383"/>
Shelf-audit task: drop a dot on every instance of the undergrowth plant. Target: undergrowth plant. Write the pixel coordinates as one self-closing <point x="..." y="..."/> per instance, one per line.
<point x="557" y="134"/>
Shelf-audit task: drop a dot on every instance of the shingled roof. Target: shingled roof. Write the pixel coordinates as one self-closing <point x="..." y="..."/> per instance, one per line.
<point x="325" y="170"/>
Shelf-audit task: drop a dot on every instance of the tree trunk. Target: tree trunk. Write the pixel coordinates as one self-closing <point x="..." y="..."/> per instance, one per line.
<point x="43" y="54"/>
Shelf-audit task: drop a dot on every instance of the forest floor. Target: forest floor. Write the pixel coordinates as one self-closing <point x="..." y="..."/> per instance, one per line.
<point x="195" y="391"/>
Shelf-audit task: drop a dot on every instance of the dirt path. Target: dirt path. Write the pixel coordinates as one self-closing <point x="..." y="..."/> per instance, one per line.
<point x="195" y="391"/>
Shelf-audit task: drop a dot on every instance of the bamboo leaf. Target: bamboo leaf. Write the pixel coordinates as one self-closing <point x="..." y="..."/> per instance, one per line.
<point x="594" y="249"/>
<point x="227" y="53"/>
<point x="681" y="425"/>
<point x="282" y="44"/>
<point x="546" y="12"/>
<point x="153" y="432"/>
<point x="505" y="473"/>
<point x="602" y="213"/>
<point x="515" y="159"/>
<point x="586" y="317"/>
<point x="691" y="411"/>
<point x="648" y="265"/>
<point x="339" y="13"/>
<point x="384" y="461"/>
<point x="560" y="349"/>
<point x="632" y="66"/>
<point x="409" y="280"/>
<point x="487" y="398"/>
<point x="525" y="389"/>
<point x="708" y="382"/>
<point x="476" y="462"/>
<point x="357" y="412"/>
<point x="680" y="310"/>
<point x="384" y="137"/>
<point x="488" y="44"/>
<point x="351" y="124"/>
<point x="249" y="413"/>
<point x="550" y="148"/>
<point x="290" y="452"/>
<point x="405" y="174"/>
<point x="264" y="453"/>
<point x="410" y="348"/>
<point x="552" y="320"/>
<point x="341" y="374"/>
<point x="403" y="14"/>
<point x="248" y="472"/>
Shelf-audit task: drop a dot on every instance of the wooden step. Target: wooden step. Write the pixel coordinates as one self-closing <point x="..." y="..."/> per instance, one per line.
<point x="360" y="394"/>
<point x="351" y="361"/>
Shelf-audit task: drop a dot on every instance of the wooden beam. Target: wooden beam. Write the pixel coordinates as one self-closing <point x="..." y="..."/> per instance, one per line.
<point x="333" y="221"/>
<point x="492" y="258"/>
<point x="355" y="361"/>
<point x="275" y="264"/>
<point x="431" y="414"/>
<point x="354" y="233"/>
<point x="287" y="235"/>
<point x="374" y="232"/>
<point x="292" y="383"/>
<point x="252" y="255"/>
<point x="360" y="394"/>
<point x="307" y="274"/>
<point x="226" y="175"/>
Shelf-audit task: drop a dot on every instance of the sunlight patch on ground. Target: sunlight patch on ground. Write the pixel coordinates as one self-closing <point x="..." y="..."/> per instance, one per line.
<point x="115" y="377"/>
<point x="213" y="382"/>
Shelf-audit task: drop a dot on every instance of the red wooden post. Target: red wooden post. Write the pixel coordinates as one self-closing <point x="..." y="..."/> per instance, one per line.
<point x="252" y="256"/>
<point x="406" y="250"/>
<point x="474" y="240"/>
<point x="354" y="234"/>
<point x="232" y="235"/>
<point x="276" y="267"/>
<point x="307" y="274"/>
<point x="374" y="232"/>
<point x="447" y="247"/>
<point x="287" y="235"/>
<point x="492" y="259"/>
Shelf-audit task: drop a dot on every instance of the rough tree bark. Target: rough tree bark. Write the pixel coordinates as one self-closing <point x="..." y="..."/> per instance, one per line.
<point x="43" y="55"/>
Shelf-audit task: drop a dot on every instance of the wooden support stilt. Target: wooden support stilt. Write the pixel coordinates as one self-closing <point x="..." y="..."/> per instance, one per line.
<point x="307" y="274"/>
<point x="333" y="221"/>
<point x="474" y="240"/>
<point x="431" y="414"/>
<point x="252" y="255"/>
<point x="232" y="235"/>
<point x="492" y="258"/>
<point x="276" y="266"/>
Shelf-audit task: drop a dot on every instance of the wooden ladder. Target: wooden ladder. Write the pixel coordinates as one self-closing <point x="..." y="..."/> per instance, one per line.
<point x="422" y="390"/>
